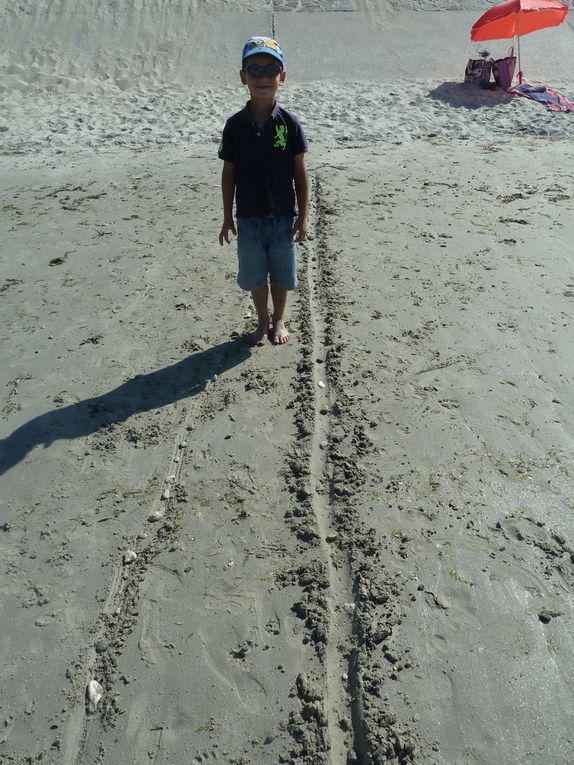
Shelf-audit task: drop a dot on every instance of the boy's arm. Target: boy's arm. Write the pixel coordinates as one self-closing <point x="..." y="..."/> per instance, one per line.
<point x="228" y="192"/>
<point x="302" y="193"/>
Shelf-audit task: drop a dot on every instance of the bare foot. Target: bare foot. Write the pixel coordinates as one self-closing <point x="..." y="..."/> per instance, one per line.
<point x="259" y="337"/>
<point x="280" y="333"/>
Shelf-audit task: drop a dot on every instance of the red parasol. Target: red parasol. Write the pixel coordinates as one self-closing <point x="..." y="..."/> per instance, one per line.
<point x="518" y="17"/>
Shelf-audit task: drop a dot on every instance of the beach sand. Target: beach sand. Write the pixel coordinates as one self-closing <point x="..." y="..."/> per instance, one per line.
<point x="356" y="548"/>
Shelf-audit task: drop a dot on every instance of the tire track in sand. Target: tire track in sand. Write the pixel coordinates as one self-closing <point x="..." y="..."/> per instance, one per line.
<point x="352" y="605"/>
<point x="340" y="597"/>
<point x="379" y="736"/>
<point x="119" y="614"/>
<point x="329" y="606"/>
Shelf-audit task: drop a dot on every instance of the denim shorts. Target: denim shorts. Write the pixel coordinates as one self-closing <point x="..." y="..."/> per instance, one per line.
<point x="265" y="248"/>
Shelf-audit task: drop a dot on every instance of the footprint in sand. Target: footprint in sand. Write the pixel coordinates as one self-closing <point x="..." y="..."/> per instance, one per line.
<point x="204" y="757"/>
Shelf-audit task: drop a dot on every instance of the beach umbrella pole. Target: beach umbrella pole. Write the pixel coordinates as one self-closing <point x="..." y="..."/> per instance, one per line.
<point x="518" y="49"/>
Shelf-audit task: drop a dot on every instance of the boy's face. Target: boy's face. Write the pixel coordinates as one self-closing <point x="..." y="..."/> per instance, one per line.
<point x="264" y="87"/>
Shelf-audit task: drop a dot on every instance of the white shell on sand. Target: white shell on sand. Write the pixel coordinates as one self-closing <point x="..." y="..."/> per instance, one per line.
<point x="183" y="445"/>
<point x="171" y="479"/>
<point x="165" y="494"/>
<point x="94" y="692"/>
<point x="130" y="556"/>
<point x="321" y="384"/>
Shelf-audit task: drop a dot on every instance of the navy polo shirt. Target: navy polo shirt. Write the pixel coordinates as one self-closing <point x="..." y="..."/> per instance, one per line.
<point x="263" y="161"/>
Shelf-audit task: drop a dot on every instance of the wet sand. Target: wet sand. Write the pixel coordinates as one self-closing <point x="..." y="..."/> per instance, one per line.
<point x="354" y="548"/>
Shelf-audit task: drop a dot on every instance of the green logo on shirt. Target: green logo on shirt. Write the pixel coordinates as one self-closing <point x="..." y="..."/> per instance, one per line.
<point x="280" y="137"/>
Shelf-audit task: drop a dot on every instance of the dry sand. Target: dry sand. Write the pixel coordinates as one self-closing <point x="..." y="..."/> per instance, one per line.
<point x="390" y="582"/>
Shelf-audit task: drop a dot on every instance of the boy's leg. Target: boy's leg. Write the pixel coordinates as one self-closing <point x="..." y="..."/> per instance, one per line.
<point x="283" y="275"/>
<point x="280" y="332"/>
<point x="253" y="269"/>
<point x="260" y="297"/>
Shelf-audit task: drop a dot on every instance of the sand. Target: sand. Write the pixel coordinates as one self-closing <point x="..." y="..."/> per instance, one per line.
<point x="388" y="582"/>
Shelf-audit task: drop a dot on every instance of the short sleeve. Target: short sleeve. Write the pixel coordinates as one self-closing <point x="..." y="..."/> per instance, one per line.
<point x="226" y="144"/>
<point x="300" y="143"/>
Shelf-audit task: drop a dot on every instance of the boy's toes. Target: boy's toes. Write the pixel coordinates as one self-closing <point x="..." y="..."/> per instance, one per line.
<point x="280" y="334"/>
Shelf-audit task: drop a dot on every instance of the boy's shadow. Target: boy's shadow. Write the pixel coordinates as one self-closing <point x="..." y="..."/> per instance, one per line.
<point x="144" y="392"/>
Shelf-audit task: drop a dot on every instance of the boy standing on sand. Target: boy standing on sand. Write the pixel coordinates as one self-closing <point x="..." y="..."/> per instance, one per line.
<point x="263" y="152"/>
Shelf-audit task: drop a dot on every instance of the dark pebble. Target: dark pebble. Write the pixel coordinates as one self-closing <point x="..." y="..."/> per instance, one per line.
<point x="102" y="646"/>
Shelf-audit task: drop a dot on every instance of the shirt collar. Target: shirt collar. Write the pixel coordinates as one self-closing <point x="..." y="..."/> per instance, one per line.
<point x="246" y="114"/>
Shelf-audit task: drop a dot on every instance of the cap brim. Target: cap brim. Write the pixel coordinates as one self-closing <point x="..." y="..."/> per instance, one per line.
<point x="267" y="51"/>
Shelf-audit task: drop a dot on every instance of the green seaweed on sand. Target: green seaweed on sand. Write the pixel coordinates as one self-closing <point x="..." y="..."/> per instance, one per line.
<point x="208" y="727"/>
<point x="453" y="573"/>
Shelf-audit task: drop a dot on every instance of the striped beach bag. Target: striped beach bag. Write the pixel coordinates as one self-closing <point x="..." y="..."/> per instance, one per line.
<point x="478" y="71"/>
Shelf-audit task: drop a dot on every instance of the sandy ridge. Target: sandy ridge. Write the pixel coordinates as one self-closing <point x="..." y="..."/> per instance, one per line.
<point x="348" y="111"/>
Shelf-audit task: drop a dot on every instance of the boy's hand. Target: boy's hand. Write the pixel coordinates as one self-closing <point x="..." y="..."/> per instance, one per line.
<point x="228" y="225"/>
<point x="300" y="229"/>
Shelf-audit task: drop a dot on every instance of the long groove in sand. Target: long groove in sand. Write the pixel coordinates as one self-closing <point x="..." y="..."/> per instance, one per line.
<point x="337" y="705"/>
<point x="82" y="729"/>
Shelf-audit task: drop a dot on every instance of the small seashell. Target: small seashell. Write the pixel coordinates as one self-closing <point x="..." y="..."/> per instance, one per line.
<point x="332" y="537"/>
<point x="94" y="692"/>
<point x="130" y="556"/>
<point x="177" y="459"/>
<point x="344" y="677"/>
<point x="230" y="564"/>
<point x="321" y="384"/>
<point x="183" y="445"/>
<point x="214" y="378"/>
<point x="165" y="494"/>
<point x="142" y="535"/>
<point x="171" y="479"/>
<point x="157" y="515"/>
<point x="324" y="409"/>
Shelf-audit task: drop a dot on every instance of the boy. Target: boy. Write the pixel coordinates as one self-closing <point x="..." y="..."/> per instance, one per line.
<point x="263" y="152"/>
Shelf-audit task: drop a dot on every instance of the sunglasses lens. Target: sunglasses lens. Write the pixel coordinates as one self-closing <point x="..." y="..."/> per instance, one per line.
<point x="270" y="70"/>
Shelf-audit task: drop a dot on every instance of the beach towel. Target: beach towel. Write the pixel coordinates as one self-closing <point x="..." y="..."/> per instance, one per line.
<point x="552" y="100"/>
